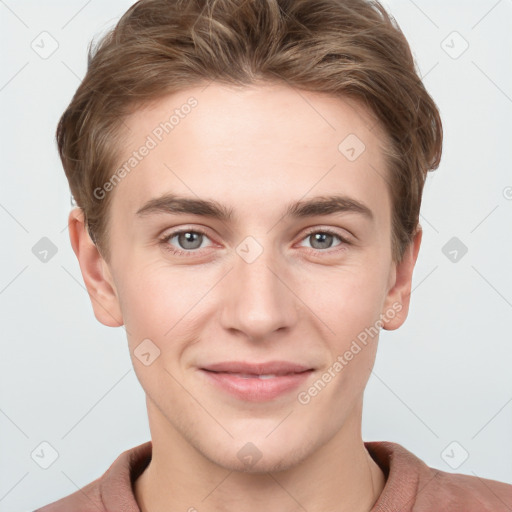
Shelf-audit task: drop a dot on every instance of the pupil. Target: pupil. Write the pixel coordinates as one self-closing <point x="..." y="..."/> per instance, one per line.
<point x="323" y="239"/>
<point x="189" y="242"/>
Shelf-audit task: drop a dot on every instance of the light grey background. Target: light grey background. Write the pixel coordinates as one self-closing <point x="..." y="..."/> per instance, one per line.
<point x="443" y="377"/>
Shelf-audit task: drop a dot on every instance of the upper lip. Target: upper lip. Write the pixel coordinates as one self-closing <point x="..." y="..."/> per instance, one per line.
<point x="267" y="368"/>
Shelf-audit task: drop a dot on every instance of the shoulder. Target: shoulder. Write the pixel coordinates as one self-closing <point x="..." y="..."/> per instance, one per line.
<point x="413" y="486"/>
<point x="87" y="498"/>
<point x="113" y="490"/>
<point x="466" y="492"/>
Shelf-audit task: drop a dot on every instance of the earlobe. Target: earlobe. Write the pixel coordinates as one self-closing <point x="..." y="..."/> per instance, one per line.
<point x="95" y="273"/>
<point x="396" y="306"/>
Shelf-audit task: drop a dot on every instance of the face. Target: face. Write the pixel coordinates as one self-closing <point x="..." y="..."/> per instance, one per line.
<point x="251" y="265"/>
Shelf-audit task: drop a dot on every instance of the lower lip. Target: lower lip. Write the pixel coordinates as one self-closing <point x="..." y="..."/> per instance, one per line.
<point x="255" y="389"/>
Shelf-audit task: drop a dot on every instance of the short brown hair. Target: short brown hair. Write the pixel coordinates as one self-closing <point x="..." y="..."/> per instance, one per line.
<point x="345" y="48"/>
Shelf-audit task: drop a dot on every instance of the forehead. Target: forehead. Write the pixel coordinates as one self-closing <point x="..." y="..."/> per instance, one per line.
<point x="261" y="145"/>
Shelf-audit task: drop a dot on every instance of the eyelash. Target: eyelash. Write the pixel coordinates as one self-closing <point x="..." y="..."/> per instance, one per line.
<point x="164" y="241"/>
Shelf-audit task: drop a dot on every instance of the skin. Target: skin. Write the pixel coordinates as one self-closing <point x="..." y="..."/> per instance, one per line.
<point x="254" y="149"/>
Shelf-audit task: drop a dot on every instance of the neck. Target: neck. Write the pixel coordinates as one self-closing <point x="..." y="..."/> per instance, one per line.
<point x="339" y="476"/>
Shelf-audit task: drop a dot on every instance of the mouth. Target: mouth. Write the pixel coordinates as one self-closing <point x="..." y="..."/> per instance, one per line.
<point x="254" y="376"/>
<point x="256" y="382"/>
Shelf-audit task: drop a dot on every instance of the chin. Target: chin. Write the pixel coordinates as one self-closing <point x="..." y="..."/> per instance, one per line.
<point x="261" y="458"/>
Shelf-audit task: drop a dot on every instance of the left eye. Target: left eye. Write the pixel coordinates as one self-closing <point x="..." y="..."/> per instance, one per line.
<point x="323" y="239"/>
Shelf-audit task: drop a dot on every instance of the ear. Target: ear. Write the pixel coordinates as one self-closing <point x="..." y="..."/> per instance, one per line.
<point x="95" y="272"/>
<point x="396" y="305"/>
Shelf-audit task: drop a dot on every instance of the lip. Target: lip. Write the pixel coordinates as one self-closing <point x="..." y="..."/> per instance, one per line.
<point x="269" y="367"/>
<point x="243" y="380"/>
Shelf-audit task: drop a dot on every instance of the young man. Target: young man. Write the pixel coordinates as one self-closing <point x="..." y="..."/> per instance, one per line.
<point x="249" y="177"/>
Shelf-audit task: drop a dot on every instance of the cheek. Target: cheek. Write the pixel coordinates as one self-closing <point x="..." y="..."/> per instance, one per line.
<point x="153" y="296"/>
<point x="160" y="305"/>
<point x="349" y="306"/>
<point x="346" y="300"/>
<point x="148" y="307"/>
<point x="167" y="305"/>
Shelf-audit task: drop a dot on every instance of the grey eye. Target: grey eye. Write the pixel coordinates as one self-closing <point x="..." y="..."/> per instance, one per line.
<point x="321" y="240"/>
<point x="189" y="239"/>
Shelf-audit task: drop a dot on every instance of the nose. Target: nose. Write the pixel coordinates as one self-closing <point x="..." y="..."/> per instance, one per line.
<point x="259" y="297"/>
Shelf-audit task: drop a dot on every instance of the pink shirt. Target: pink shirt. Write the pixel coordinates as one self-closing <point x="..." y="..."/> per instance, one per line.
<point x="411" y="486"/>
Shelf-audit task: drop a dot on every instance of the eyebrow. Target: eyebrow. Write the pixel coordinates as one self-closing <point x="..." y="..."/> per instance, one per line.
<point x="320" y="205"/>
